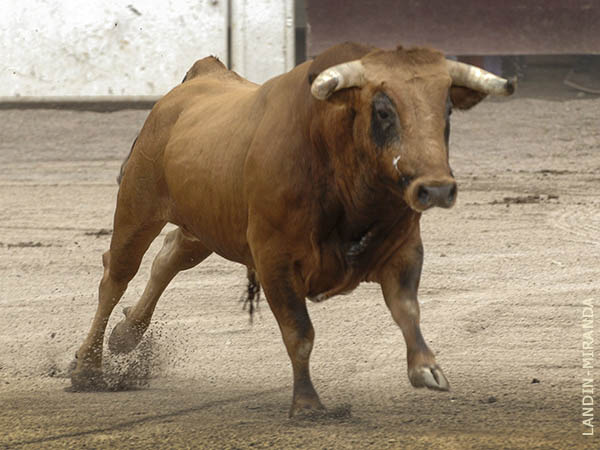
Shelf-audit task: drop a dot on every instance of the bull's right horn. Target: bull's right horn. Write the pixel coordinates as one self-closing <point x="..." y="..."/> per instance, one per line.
<point x="345" y="75"/>
<point x="478" y="79"/>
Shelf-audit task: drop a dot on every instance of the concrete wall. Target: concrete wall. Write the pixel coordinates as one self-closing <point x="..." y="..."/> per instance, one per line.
<point x="262" y="38"/>
<point x="54" y="48"/>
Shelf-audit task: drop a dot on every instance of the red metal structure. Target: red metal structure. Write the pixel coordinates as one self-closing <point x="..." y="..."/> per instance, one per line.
<point x="460" y="27"/>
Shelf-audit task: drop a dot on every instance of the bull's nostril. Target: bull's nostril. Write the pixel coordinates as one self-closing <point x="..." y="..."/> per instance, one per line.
<point x="452" y="194"/>
<point x="434" y="194"/>
<point x="423" y="195"/>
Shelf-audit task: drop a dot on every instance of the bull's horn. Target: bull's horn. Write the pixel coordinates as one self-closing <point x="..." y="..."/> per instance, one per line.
<point x="478" y="79"/>
<point x="345" y="75"/>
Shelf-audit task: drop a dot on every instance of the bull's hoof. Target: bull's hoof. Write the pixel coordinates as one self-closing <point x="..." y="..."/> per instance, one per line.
<point x="125" y="336"/>
<point x="430" y="377"/>
<point x="87" y="380"/>
<point x="306" y="406"/>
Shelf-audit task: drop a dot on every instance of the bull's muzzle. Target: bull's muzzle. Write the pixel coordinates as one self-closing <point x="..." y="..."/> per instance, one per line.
<point x="423" y="195"/>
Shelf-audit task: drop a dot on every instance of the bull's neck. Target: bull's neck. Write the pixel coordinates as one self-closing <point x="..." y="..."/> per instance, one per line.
<point x="360" y="202"/>
<point x="368" y="203"/>
<point x="370" y="223"/>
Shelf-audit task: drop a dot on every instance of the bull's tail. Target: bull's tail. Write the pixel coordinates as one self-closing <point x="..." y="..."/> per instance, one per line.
<point x="252" y="295"/>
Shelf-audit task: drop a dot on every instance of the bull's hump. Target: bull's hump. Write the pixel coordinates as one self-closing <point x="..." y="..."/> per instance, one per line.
<point x="205" y="66"/>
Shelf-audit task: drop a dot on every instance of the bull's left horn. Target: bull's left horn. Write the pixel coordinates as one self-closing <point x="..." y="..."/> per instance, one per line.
<point x="345" y="75"/>
<point x="478" y="79"/>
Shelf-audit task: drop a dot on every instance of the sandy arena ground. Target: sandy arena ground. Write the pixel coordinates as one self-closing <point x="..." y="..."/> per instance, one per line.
<point x="506" y="275"/>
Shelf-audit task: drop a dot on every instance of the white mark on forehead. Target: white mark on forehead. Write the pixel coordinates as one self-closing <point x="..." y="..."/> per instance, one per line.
<point x="395" y="163"/>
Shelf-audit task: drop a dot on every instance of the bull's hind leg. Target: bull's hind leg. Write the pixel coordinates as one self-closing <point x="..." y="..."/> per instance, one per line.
<point x="179" y="252"/>
<point x="131" y="238"/>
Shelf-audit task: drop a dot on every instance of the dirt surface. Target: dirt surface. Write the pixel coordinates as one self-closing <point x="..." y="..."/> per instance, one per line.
<point x="507" y="273"/>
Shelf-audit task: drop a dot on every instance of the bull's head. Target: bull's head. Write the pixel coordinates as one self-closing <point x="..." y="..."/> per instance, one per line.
<point x="401" y="115"/>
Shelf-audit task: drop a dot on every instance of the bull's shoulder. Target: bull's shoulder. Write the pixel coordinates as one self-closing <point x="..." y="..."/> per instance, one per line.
<point x="213" y="67"/>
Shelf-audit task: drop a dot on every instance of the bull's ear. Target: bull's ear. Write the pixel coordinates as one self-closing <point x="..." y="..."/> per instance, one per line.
<point x="465" y="98"/>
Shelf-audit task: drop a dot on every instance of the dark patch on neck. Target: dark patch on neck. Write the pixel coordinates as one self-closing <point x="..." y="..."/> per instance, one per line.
<point x="358" y="247"/>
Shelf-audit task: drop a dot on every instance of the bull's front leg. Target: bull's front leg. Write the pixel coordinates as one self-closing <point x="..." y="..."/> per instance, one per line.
<point x="400" y="283"/>
<point x="289" y="308"/>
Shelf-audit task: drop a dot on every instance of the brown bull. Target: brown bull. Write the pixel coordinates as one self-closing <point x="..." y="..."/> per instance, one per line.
<point x="315" y="181"/>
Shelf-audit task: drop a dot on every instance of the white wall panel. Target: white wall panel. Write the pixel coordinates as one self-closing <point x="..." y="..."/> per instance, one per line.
<point x="262" y="33"/>
<point x="105" y="47"/>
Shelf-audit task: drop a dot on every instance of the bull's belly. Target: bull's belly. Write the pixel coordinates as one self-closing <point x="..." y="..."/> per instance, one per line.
<point x="220" y="228"/>
<point x="228" y="246"/>
<point x="218" y="224"/>
<point x="205" y="190"/>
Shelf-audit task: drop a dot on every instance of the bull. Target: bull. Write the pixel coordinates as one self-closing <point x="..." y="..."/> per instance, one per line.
<point x="315" y="181"/>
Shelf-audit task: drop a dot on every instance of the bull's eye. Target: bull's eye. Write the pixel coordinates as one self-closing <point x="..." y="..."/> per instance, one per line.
<point x="383" y="120"/>
<point x="382" y="114"/>
<point x="449" y="107"/>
